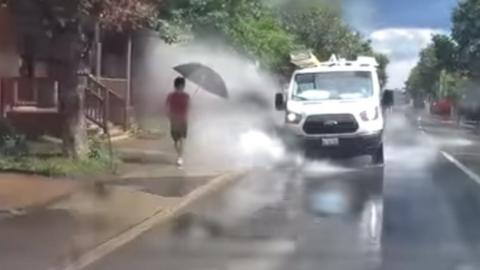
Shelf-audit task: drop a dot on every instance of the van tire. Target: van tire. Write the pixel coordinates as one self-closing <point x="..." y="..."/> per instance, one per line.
<point x="378" y="156"/>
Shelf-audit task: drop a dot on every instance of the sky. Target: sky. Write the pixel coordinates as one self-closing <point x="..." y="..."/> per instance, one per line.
<point x="400" y="29"/>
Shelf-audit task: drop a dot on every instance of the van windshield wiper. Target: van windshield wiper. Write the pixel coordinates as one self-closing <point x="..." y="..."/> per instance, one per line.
<point x="301" y="98"/>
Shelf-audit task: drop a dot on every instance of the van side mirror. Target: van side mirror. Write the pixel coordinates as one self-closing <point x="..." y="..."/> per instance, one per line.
<point x="387" y="98"/>
<point x="279" y="102"/>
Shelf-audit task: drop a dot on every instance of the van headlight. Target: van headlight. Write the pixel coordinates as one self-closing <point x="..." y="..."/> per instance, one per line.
<point x="293" y="118"/>
<point x="370" y="114"/>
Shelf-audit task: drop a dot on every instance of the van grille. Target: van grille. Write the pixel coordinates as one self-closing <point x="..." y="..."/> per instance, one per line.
<point x="330" y="124"/>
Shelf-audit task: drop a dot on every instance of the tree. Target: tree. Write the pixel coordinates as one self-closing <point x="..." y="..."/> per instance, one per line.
<point x="321" y="28"/>
<point x="323" y="31"/>
<point x="249" y="26"/>
<point x="383" y="62"/>
<point x="67" y="27"/>
<point x="263" y="38"/>
<point x="450" y="84"/>
<point x="466" y="33"/>
<point x="436" y="73"/>
<point x="424" y="77"/>
<point x="413" y="85"/>
<point x="445" y="52"/>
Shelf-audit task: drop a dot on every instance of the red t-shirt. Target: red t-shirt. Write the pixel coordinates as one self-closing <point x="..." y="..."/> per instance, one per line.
<point x="178" y="105"/>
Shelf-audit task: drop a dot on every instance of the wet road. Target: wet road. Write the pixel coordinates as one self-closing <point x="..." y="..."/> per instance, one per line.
<point x="333" y="216"/>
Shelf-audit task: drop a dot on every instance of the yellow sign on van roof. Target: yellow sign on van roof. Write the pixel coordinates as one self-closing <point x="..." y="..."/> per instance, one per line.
<point x="304" y="59"/>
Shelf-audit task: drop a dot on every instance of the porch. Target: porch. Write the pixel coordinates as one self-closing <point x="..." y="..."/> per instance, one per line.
<point x="32" y="105"/>
<point x="29" y="98"/>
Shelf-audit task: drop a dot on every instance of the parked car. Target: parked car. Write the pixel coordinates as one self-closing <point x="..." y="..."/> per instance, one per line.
<point x="441" y="107"/>
<point x="469" y="107"/>
<point x="418" y="103"/>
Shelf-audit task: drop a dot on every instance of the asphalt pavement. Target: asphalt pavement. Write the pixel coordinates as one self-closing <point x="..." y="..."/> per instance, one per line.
<point x="421" y="211"/>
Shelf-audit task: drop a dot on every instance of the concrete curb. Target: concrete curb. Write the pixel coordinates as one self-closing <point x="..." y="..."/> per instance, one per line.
<point x="158" y="218"/>
<point x="121" y="137"/>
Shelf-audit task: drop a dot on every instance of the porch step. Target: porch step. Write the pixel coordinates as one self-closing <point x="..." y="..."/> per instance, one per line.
<point x="33" y="109"/>
<point x="116" y="132"/>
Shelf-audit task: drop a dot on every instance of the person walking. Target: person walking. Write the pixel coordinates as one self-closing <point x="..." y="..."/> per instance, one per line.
<point x="178" y="106"/>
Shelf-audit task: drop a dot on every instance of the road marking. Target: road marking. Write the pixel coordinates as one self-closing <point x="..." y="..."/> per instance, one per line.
<point x="472" y="175"/>
<point x="462" y="167"/>
<point x="466" y="154"/>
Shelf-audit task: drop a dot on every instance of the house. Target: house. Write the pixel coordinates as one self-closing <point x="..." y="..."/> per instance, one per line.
<point x="29" y="96"/>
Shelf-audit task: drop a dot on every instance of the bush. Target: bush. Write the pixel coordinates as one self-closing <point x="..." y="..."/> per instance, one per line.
<point x="11" y="143"/>
<point x="97" y="150"/>
<point x="99" y="161"/>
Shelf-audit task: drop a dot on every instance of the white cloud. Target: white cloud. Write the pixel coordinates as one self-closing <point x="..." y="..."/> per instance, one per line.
<point x="402" y="46"/>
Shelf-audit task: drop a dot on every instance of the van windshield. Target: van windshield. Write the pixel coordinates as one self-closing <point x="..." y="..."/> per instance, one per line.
<point x="333" y="85"/>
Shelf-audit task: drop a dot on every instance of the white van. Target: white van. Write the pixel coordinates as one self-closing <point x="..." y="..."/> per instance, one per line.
<point x="335" y="109"/>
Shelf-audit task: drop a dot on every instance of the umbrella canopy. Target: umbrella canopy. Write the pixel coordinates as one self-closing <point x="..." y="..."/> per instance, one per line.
<point x="205" y="77"/>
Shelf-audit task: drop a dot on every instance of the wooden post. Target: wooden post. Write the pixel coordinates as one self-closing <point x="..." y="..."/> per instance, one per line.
<point x="129" y="81"/>
<point x="55" y="95"/>
<point x="98" y="52"/>
<point x="106" y="112"/>
<point x="2" y="99"/>
<point x="129" y="70"/>
<point x="15" y="91"/>
<point x="34" y="85"/>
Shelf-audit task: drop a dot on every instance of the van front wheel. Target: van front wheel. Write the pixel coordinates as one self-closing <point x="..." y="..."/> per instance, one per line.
<point x="378" y="156"/>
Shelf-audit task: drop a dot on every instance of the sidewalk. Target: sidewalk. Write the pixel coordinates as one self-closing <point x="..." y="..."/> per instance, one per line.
<point x="19" y="192"/>
<point x="91" y="222"/>
<point x="138" y="150"/>
<point x="446" y="121"/>
<point x="461" y="141"/>
<point x="147" y="158"/>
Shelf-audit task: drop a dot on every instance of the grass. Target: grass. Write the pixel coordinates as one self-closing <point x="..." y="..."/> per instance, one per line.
<point x="56" y="166"/>
<point x="44" y="158"/>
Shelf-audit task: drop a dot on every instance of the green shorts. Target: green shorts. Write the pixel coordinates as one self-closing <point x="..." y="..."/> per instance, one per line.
<point x="178" y="130"/>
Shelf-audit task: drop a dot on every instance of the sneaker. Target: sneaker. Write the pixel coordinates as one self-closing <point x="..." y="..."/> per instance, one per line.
<point x="179" y="162"/>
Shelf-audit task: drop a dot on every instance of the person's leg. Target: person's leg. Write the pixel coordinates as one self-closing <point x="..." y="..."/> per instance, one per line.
<point x="180" y="152"/>
<point x="176" y="145"/>
<point x="180" y="147"/>
<point x="182" y="132"/>
<point x="176" y="136"/>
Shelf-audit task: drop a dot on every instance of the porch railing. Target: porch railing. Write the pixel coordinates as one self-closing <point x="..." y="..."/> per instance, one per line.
<point x="103" y="105"/>
<point x="117" y="85"/>
<point x="36" y="92"/>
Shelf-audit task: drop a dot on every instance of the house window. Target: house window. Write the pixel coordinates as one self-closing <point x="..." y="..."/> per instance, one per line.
<point x="114" y="47"/>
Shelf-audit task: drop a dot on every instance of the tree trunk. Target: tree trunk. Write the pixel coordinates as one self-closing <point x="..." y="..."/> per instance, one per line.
<point x="72" y="89"/>
<point x="67" y="67"/>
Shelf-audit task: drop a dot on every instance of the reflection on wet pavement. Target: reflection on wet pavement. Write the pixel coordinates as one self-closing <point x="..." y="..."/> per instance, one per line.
<point x="271" y="220"/>
<point x="173" y="186"/>
<point x="328" y="215"/>
<point x="21" y="245"/>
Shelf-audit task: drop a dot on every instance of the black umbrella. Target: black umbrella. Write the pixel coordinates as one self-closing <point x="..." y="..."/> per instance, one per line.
<point x="204" y="77"/>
